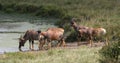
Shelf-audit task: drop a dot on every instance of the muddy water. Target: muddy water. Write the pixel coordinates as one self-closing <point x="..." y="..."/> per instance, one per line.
<point x="12" y="27"/>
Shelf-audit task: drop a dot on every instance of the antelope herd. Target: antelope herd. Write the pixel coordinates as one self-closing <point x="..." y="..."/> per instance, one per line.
<point x="52" y="34"/>
<point x="87" y="32"/>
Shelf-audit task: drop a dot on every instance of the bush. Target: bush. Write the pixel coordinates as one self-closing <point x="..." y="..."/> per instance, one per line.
<point x="110" y="53"/>
<point x="26" y="8"/>
<point x="71" y="37"/>
<point x="65" y="21"/>
<point x="50" y="11"/>
<point x="1" y="6"/>
<point x="8" y="8"/>
<point x="39" y="10"/>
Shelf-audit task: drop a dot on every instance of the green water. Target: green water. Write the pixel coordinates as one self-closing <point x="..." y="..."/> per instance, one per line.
<point x="12" y="26"/>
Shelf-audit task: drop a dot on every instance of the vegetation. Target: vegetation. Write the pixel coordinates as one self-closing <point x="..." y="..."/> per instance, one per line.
<point x="92" y="13"/>
<point x="43" y="10"/>
<point x="79" y="55"/>
<point x="111" y="53"/>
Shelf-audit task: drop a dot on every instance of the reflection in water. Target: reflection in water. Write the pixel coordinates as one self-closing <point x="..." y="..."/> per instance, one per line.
<point x="8" y="42"/>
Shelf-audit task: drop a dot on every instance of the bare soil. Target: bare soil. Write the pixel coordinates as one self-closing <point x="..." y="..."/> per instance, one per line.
<point x="74" y="44"/>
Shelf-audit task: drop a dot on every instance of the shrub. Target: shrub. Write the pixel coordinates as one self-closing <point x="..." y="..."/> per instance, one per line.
<point x="39" y="10"/>
<point x="21" y="8"/>
<point x="50" y="11"/>
<point x="110" y="53"/>
<point x="8" y="7"/>
<point x="1" y="6"/>
<point x="26" y="8"/>
<point x="9" y="10"/>
<point x="71" y="37"/>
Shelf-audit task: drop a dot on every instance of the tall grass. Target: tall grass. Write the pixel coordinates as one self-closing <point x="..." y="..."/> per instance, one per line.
<point x="80" y="55"/>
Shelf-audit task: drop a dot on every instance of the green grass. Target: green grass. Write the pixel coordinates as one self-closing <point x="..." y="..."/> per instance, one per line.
<point x="81" y="55"/>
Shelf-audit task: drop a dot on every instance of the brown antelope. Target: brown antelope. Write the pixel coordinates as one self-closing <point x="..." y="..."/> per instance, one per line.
<point x="88" y="32"/>
<point x="52" y="34"/>
<point x="30" y="35"/>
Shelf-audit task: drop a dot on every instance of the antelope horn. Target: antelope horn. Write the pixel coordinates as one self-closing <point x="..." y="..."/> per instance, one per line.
<point x="73" y="19"/>
<point x="21" y="37"/>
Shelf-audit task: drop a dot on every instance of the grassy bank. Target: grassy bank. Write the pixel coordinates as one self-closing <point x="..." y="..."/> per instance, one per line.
<point x="81" y="55"/>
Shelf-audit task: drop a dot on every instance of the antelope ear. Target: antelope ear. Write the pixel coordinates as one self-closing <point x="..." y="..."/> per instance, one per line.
<point x="39" y="31"/>
<point x="73" y="19"/>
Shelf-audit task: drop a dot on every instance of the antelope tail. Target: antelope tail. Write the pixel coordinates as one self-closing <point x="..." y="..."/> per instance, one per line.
<point x="103" y="31"/>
